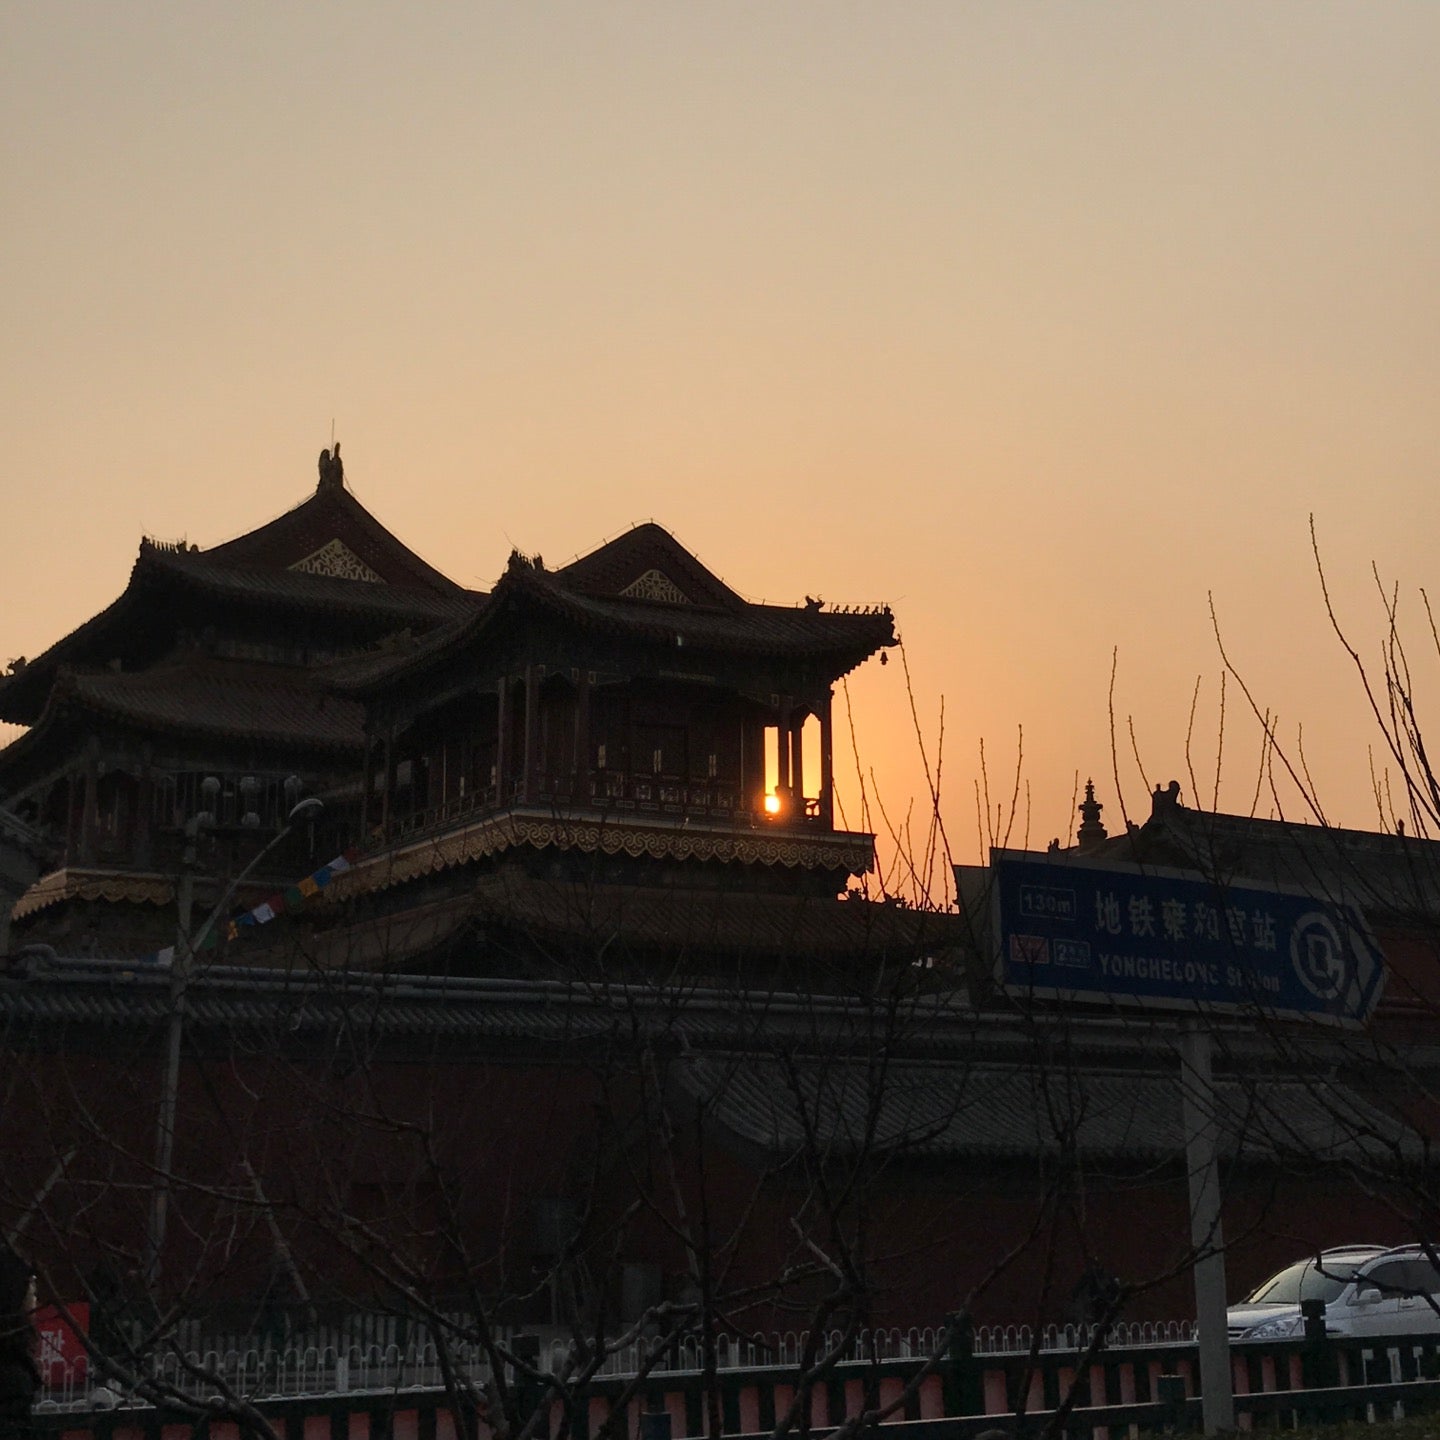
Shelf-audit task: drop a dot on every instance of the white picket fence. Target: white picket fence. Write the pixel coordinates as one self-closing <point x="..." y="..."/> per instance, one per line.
<point x="259" y="1370"/>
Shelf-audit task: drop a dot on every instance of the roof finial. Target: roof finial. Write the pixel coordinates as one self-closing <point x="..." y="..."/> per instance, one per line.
<point x="332" y="471"/>
<point x="1166" y="799"/>
<point x="1091" y="831"/>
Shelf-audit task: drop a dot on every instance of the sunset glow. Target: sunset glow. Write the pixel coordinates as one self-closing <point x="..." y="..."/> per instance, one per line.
<point x="1044" y="325"/>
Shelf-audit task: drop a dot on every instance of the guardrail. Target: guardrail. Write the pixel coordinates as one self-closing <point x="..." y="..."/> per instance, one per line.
<point x="1129" y="1388"/>
<point x="322" y="1362"/>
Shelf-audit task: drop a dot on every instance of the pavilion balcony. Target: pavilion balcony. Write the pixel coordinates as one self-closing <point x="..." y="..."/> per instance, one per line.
<point x="720" y="804"/>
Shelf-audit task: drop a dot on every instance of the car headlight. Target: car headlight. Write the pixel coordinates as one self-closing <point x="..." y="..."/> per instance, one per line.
<point x="1280" y="1328"/>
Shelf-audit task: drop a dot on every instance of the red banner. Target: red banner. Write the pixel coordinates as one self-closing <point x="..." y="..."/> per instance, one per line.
<point x="62" y="1354"/>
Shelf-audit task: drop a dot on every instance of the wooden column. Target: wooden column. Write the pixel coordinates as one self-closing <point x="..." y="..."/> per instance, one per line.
<point x="502" y="738"/>
<point x="752" y="763"/>
<point x="72" y="841"/>
<point x="367" y="785"/>
<point x="827" y="762"/>
<point x="581" y="764"/>
<point x="797" y="764"/>
<point x="782" y="747"/>
<point x="532" y="735"/>
<point x="741" y="780"/>
<point x="387" y="795"/>
<point x="145" y="806"/>
<point x="90" y="814"/>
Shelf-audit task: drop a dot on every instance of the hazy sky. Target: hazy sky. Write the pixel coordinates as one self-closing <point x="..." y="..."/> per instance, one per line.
<point x="1038" y="321"/>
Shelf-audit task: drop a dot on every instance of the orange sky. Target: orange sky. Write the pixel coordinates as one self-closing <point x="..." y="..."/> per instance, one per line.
<point x="1037" y="321"/>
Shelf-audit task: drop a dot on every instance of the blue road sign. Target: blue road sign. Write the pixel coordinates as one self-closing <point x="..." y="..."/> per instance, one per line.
<point x="1123" y="934"/>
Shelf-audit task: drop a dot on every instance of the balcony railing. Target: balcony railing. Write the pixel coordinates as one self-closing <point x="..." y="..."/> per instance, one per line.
<point x="605" y="791"/>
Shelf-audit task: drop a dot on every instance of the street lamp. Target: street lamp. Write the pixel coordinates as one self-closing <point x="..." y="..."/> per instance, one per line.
<point x="186" y="945"/>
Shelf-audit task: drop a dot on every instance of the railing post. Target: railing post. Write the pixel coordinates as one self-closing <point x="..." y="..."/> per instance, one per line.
<point x="1317" y="1361"/>
<point x="526" y="1392"/>
<point x="655" y="1424"/>
<point x="1170" y="1392"/>
<point x="963" y="1388"/>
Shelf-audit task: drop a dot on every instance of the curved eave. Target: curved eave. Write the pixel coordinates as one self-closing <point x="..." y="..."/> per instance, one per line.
<point x="162" y="581"/>
<point x="71" y="705"/>
<point x="28" y="840"/>
<point x="24" y="695"/>
<point x="854" y="638"/>
<point x="289" y="592"/>
<point x="535" y="830"/>
<point x="21" y="753"/>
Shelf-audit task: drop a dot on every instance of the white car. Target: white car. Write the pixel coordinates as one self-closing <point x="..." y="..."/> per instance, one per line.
<point x="1367" y="1290"/>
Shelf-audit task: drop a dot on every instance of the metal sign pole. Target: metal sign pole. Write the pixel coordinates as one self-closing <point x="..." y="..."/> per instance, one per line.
<point x="1197" y="1103"/>
<point x="1074" y="932"/>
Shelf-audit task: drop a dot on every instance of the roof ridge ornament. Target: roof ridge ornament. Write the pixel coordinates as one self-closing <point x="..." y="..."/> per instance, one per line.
<point x="332" y="471"/>
<point x="1166" y="800"/>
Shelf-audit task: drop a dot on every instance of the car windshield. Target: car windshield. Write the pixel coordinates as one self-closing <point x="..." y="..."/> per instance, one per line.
<point x="1305" y="1281"/>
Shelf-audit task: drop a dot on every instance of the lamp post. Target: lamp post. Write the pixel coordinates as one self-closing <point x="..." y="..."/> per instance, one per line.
<point x="186" y="945"/>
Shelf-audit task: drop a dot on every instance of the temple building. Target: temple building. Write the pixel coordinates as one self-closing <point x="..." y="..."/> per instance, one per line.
<point x="580" y="908"/>
<point x="196" y="694"/>
<point x="621" y="753"/>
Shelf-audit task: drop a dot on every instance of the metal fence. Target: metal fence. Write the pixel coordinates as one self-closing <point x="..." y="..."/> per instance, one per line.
<point x="1133" y="1384"/>
<point x="396" y="1354"/>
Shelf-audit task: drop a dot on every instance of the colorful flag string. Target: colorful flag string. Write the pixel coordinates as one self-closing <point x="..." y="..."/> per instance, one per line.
<point x="291" y="898"/>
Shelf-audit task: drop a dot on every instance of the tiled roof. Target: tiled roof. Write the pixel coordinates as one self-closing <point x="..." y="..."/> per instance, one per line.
<point x="386" y="942"/>
<point x="739" y="922"/>
<point x="842" y="637"/>
<point x="590" y="831"/>
<point x="952" y="1108"/>
<point x="281" y="704"/>
<point x="1385" y="874"/>
<point x="254" y="570"/>
<point x="303" y="1001"/>
<point x="331" y="512"/>
<point x="23" y="692"/>
<point x="299" y="589"/>
<point x="952" y="1086"/>
<point x="620" y="563"/>
<point x="26" y="837"/>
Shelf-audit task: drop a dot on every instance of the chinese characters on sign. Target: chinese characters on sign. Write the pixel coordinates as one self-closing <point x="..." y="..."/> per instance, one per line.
<point x="1121" y="933"/>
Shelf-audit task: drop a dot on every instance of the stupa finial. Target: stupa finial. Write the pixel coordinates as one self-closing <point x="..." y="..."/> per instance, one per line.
<point x="1091" y="831"/>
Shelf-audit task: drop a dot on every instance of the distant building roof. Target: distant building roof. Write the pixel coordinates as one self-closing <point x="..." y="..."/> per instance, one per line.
<point x="1390" y="875"/>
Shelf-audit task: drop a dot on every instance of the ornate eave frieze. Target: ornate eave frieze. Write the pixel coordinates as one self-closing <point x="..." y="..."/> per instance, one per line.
<point x="542" y="830"/>
<point x="109" y="885"/>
